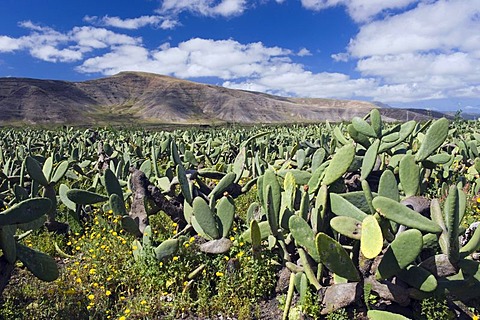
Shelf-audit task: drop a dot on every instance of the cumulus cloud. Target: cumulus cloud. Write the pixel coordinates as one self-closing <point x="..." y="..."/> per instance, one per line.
<point x="304" y="52"/>
<point x="430" y="26"/>
<point x="225" y="8"/>
<point x="359" y="10"/>
<point x="131" y="23"/>
<point x="423" y="53"/>
<point x="47" y="44"/>
<point x="251" y="66"/>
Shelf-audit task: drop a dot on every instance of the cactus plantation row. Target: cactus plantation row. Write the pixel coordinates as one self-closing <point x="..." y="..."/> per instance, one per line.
<point x="368" y="217"/>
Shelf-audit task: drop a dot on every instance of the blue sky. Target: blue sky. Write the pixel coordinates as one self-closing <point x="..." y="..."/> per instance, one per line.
<point x="405" y="53"/>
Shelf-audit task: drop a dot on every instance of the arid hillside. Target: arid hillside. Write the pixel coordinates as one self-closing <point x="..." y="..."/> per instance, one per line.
<point x="135" y="97"/>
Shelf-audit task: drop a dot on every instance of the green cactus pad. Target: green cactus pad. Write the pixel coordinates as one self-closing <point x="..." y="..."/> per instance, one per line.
<point x="225" y="214"/>
<point x="60" y="171"/>
<point x="117" y="205"/>
<point x="388" y="186"/>
<point x="205" y="218"/>
<point x="441" y="158"/>
<point x="166" y="249"/>
<point x="402" y="251"/>
<point x="404" y="131"/>
<point x="369" y="159"/>
<point x="401" y="214"/>
<point x="222" y="185"/>
<point x="264" y="232"/>
<point x="35" y="171"/>
<point x="418" y="278"/>
<point x="384" y="315"/>
<point x="62" y="192"/>
<point x="409" y="176"/>
<point x="255" y="235"/>
<point x="270" y="180"/>
<point x="472" y="245"/>
<point x="376" y="122"/>
<point x="40" y="264"/>
<point x="358" y="199"/>
<point x="7" y="243"/>
<point x="239" y="163"/>
<point x="318" y="158"/>
<point x="349" y="227"/>
<point x="137" y="249"/>
<point x="342" y="207"/>
<point x="272" y="216"/>
<point x="371" y="241"/>
<point x="187" y="211"/>
<point x="47" y="168"/>
<point x="363" y="127"/>
<point x="339" y="164"/>
<point x="147" y="236"/>
<point x="358" y="136"/>
<point x="335" y="258"/>
<point x="129" y="225"/>
<point x="434" y="138"/>
<point x="84" y="197"/>
<point x="304" y="235"/>
<point x="290" y="187"/>
<point x="25" y="211"/>
<point x="184" y="183"/>
<point x="308" y="269"/>
<point x="301" y="176"/>
<point x="316" y="179"/>
<point x="451" y="211"/>
<point x="112" y="185"/>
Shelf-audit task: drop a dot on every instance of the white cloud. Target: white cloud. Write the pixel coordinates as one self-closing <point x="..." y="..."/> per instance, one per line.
<point x="430" y="26"/>
<point x="424" y="53"/>
<point x="304" y="52"/>
<point x="225" y="8"/>
<point x="8" y="44"/>
<point x="47" y="44"/>
<point x="251" y="66"/>
<point x="359" y="10"/>
<point x="131" y="23"/>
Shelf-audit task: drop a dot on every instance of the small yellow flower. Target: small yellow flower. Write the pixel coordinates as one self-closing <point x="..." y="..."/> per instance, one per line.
<point x="175" y="258"/>
<point x="122" y="318"/>
<point x="78" y="280"/>
<point x="108" y="293"/>
<point x="187" y="245"/>
<point x="226" y="258"/>
<point x="114" y="233"/>
<point x="219" y="274"/>
<point x="240" y="254"/>
<point x="143" y="302"/>
<point x="92" y="271"/>
<point x="91" y="297"/>
<point x="77" y="248"/>
<point x="174" y="224"/>
<point x="232" y="238"/>
<point x="241" y="244"/>
<point x="127" y="311"/>
<point x="192" y="239"/>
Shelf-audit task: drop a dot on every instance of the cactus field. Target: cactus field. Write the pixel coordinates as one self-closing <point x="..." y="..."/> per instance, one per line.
<point x="359" y="220"/>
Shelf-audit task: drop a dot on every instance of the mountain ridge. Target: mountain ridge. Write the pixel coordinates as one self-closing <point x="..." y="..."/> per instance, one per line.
<point x="139" y="97"/>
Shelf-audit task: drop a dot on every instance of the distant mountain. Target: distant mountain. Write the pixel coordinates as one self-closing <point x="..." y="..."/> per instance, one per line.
<point x="145" y="98"/>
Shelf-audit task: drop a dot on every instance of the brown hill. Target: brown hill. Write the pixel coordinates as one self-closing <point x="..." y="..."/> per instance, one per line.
<point x="135" y="97"/>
